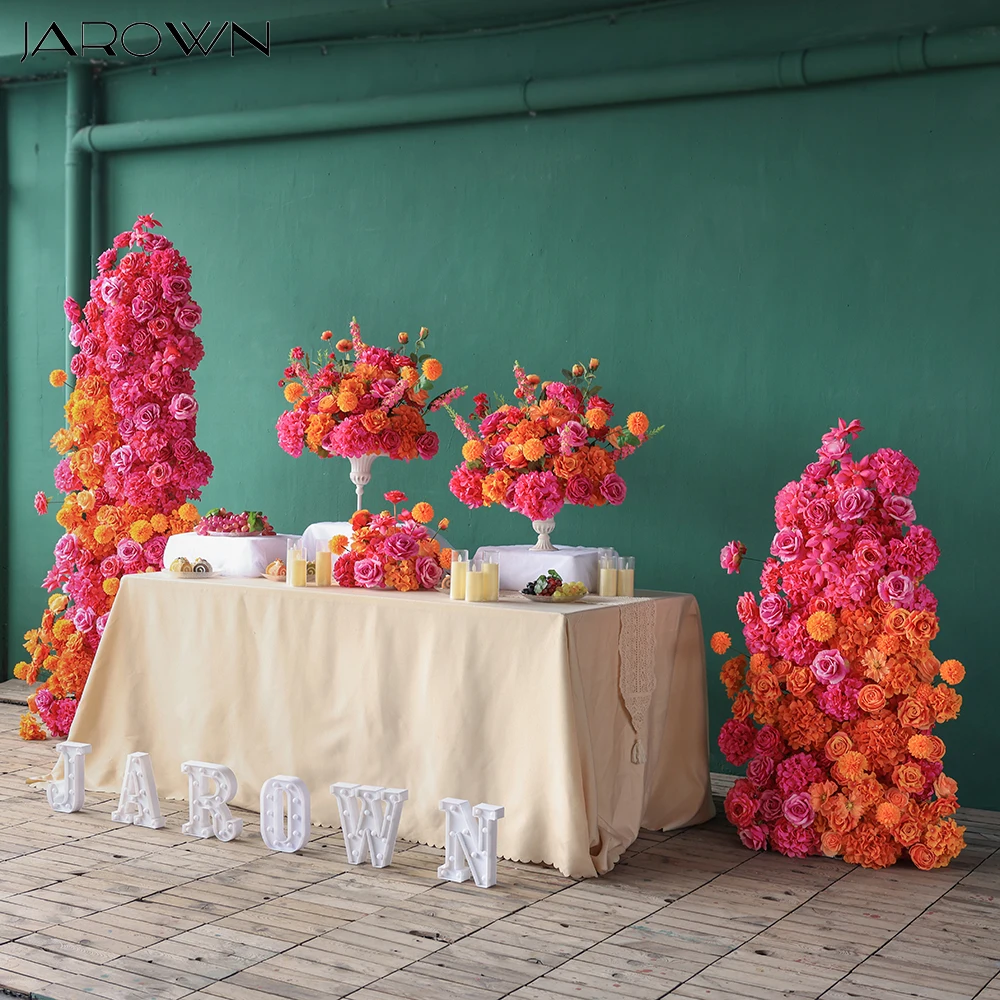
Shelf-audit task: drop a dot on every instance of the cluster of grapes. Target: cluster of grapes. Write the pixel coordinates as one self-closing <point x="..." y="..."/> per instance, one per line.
<point x="551" y="585"/>
<point x="247" y="522"/>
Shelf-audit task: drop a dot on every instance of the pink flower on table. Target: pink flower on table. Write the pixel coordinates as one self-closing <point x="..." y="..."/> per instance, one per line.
<point x="41" y="503"/>
<point x="400" y="546"/>
<point x="731" y="556"/>
<point x="572" y="435"/>
<point x="768" y="743"/>
<point x="183" y="406"/>
<point x="343" y="569"/>
<point x="769" y="805"/>
<point x="754" y="837"/>
<point x="896" y="589"/>
<point x="429" y="572"/>
<point x="900" y="509"/>
<point x="854" y="503"/>
<point x="787" y="544"/>
<point x="736" y="741"/>
<point x="829" y="666"/>
<point x="613" y="488"/>
<point x="188" y="315"/>
<point x="176" y="287"/>
<point x="368" y="573"/>
<point x="772" y="610"/>
<point x="746" y="607"/>
<point x="579" y="490"/>
<point x="798" y="809"/>
<point x="538" y="495"/>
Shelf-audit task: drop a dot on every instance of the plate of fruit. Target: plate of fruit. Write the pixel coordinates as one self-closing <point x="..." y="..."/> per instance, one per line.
<point x="247" y="523"/>
<point x="549" y="588"/>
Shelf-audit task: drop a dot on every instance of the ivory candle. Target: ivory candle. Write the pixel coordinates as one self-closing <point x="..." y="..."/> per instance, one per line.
<point x="475" y="585"/>
<point x="492" y="572"/>
<point x="297" y="572"/>
<point x="459" y="569"/>
<point x="324" y="567"/>
<point x="609" y="581"/>
<point x="626" y="576"/>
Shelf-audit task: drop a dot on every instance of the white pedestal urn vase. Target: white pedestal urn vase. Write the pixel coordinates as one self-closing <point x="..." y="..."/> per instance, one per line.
<point x="544" y="529"/>
<point x="361" y="474"/>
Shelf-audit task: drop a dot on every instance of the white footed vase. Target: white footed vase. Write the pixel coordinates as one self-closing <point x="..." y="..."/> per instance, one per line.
<point x="361" y="474"/>
<point x="544" y="529"/>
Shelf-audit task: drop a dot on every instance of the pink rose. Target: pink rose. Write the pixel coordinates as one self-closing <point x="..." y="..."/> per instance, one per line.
<point x="117" y="358"/>
<point x="787" y="544"/>
<point x="829" y="666"/>
<point x="183" y="406"/>
<point x="187" y="317"/>
<point x="772" y="610"/>
<point x="427" y="445"/>
<point x="146" y="416"/>
<point x="111" y="566"/>
<point x="122" y="458"/>
<point x="176" y="287"/>
<point x="101" y="623"/>
<point x="817" y="513"/>
<point x="400" y="546"/>
<point x="154" y="548"/>
<point x="760" y="769"/>
<point x="579" y="490"/>
<point x="746" y="608"/>
<point x="142" y="342"/>
<point x="84" y="619"/>
<point x="111" y="290"/>
<point x="798" y="810"/>
<point x="854" y="503"/>
<point x="740" y="807"/>
<point x="129" y="551"/>
<point x="390" y="440"/>
<point x="572" y="435"/>
<point x="896" y="589"/>
<point x="368" y="573"/>
<point x="142" y="309"/>
<point x="769" y="806"/>
<point x="429" y="573"/>
<point x="159" y="474"/>
<point x="900" y="509"/>
<point x="754" y="838"/>
<point x="72" y="310"/>
<point x="768" y="743"/>
<point x="731" y="556"/>
<point x="613" y="488"/>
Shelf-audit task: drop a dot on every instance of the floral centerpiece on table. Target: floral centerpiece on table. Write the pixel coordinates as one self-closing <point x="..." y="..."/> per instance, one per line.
<point x="558" y="444"/>
<point x="373" y="404"/>
<point x="129" y="460"/>
<point x="391" y="552"/>
<point x="834" y="712"/>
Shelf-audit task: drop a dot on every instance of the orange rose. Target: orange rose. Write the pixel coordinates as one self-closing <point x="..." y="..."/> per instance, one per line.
<point x="909" y="777"/>
<point x="897" y="797"/>
<point x="765" y="688"/>
<point x="742" y="706"/>
<point x="837" y="745"/>
<point x="831" y="844"/>
<point x="922" y="627"/>
<point x="871" y="698"/>
<point x="945" y="786"/>
<point x="781" y="668"/>
<point x="513" y="455"/>
<point x="800" y="681"/>
<point x="913" y="712"/>
<point x="895" y="621"/>
<point x="923" y="857"/>
<point x="952" y="671"/>
<point x="374" y="421"/>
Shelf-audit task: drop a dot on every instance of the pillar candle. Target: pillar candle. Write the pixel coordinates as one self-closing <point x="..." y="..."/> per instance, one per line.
<point x="626" y="582"/>
<point x="297" y="573"/>
<point x="475" y="585"/>
<point x="324" y="567"/>
<point x="458" y="575"/>
<point x="492" y="571"/>
<point x="609" y="581"/>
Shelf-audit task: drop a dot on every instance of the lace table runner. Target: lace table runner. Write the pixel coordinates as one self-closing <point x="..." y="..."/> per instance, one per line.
<point x="636" y="651"/>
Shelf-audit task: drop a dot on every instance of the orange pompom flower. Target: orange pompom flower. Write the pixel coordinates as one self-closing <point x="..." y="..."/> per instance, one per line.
<point x="638" y="423"/>
<point x="533" y="449"/>
<point x="887" y="814"/>
<point x="952" y="671"/>
<point x="110" y="586"/>
<point x="410" y="374"/>
<point x="432" y="369"/>
<point x="596" y="417"/>
<point x="338" y="544"/>
<point x="472" y="450"/>
<point x="57" y="379"/>
<point x="188" y="512"/>
<point x="293" y="391"/>
<point x="445" y="558"/>
<point x="422" y="512"/>
<point x="720" y="642"/>
<point x="821" y="625"/>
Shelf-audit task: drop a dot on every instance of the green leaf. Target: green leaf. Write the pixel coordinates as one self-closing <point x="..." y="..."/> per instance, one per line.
<point x="254" y="522"/>
<point x="213" y="512"/>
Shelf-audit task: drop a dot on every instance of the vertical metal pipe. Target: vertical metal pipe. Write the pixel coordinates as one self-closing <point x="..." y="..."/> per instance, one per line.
<point x="79" y="98"/>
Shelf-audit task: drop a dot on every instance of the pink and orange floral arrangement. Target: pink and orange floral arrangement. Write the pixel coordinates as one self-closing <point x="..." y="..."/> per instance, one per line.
<point x="373" y="405"/>
<point x="129" y="462"/>
<point x="391" y="551"/>
<point x="834" y="709"/>
<point x="559" y="445"/>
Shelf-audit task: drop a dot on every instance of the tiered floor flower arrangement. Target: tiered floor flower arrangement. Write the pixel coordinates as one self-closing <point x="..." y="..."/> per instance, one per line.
<point x="559" y="445"/>
<point x="834" y="709"/>
<point x="130" y="462"/>
<point x="372" y="405"/>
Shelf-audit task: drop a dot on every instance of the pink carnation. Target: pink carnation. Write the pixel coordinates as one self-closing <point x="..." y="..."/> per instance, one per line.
<point x="537" y="495"/>
<point x="736" y="741"/>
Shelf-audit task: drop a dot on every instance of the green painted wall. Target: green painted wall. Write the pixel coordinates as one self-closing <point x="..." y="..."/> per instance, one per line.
<point x="748" y="269"/>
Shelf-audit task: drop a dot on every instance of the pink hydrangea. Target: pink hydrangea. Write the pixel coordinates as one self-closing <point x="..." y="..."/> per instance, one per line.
<point x="794" y="841"/>
<point x="797" y="773"/>
<point x="840" y="701"/>
<point x="537" y="495"/>
<point x="467" y="485"/>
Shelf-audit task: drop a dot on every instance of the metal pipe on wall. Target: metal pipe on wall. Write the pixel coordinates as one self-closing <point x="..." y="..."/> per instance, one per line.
<point x="801" y="68"/>
<point x="79" y="100"/>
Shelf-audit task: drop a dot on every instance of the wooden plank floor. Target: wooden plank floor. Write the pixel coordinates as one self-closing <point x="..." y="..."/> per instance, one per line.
<point x="90" y="908"/>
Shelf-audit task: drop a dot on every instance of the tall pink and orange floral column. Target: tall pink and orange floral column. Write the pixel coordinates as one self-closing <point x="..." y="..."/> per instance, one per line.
<point x="835" y="708"/>
<point x="130" y="462"/>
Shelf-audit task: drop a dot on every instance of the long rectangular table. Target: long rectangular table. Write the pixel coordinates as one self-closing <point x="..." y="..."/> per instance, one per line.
<point x="514" y="703"/>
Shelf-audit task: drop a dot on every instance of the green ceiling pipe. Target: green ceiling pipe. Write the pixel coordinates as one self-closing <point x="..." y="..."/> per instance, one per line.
<point x="79" y="101"/>
<point x="864" y="60"/>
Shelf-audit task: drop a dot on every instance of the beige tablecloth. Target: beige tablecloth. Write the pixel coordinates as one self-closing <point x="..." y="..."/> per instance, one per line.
<point x="513" y="703"/>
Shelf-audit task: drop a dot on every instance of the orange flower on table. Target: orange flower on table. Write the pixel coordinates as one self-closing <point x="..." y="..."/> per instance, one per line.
<point x="831" y="843"/>
<point x="567" y="466"/>
<point x="360" y="519"/>
<point x="871" y="846"/>
<point x="952" y="672"/>
<point x="720" y="642"/>
<point x="871" y="698"/>
<point x="923" y="857"/>
<point x="29" y="729"/>
<point x="430" y="547"/>
<point x="820" y="793"/>
<point x="401" y="576"/>
<point x="422" y="512"/>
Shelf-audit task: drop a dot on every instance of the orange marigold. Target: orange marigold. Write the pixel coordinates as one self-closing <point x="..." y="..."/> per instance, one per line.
<point x="293" y="390"/>
<point x="887" y="814"/>
<point x="57" y="379"/>
<point x="821" y="625"/>
<point x="445" y="558"/>
<point x="103" y="534"/>
<point x="338" y="544"/>
<point x="596" y="417"/>
<point x="533" y="449"/>
<point x="410" y="374"/>
<point x="472" y="451"/>
<point x="732" y="674"/>
<point x="495" y="486"/>
<point x="432" y="369"/>
<point x="638" y="423"/>
<point x="110" y="586"/>
<point x="952" y="671"/>
<point x="851" y="766"/>
<point x="720" y="642"/>
<point x="422" y="512"/>
<point x="141" y="531"/>
<point x="30" y="729"/>
<point x="188" y="512"/>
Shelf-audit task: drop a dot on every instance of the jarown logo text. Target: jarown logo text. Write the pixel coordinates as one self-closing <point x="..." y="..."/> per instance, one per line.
<point x="97" y="38"/>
